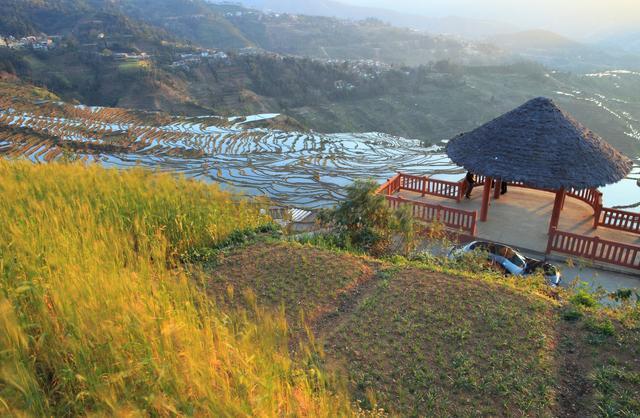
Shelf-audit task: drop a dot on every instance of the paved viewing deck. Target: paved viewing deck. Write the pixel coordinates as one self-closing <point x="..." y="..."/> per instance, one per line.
<point x="521" y="217"/>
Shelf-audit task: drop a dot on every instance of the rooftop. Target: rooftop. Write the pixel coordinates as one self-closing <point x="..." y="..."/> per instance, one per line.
<point x="542" y="146"/>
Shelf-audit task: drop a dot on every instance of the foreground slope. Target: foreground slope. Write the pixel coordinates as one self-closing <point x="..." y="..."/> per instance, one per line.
<point x="129" y="293"/>
<point x="98" y="316"/>
<point x="416" y="341"/>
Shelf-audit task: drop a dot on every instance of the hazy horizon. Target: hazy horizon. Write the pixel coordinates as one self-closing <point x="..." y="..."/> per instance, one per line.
<point x="574" y="18"/>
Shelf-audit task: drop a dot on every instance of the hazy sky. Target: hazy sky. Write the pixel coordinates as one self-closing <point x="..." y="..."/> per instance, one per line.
<point x="578" y="18"/>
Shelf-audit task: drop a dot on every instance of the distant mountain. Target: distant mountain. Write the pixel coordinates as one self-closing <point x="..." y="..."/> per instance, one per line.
<point x="130" y="25"/>
<point x="475" y="29"/>
<point x="533" y="39"/>
<point x="627" y="40"/>
<point x="559" y="52"/>
<point x="85" y="22"/>
<point x="231" y="26"/>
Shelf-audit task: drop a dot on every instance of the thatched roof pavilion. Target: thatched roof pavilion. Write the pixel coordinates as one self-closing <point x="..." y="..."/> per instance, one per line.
<point x="543" y="147"/>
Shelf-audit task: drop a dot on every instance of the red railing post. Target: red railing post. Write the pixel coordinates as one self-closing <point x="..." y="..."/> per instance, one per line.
<point x="552" y="233"/>
<point x="424" y="186"/>
<point x="486" y="196"/>
<point x="474" y="224"/>
<point x="597" y="210"/>
<point x="497" y="189"/>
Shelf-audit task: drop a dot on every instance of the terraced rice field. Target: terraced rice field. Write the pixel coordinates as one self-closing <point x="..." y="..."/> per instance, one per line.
<point x="298" y="169"/>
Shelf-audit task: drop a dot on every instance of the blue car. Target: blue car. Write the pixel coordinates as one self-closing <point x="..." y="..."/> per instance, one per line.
<point x="511" y="261"/>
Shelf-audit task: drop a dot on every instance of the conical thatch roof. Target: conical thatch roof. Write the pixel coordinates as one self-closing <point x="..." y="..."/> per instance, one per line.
<point x="542" y="146"/>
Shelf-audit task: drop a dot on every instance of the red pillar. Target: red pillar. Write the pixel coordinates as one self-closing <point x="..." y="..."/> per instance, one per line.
<point x="557" y="207"/>
<point x="598" y="210"/>
<point x="486" y="195"/>
<point x="497" y="189"/>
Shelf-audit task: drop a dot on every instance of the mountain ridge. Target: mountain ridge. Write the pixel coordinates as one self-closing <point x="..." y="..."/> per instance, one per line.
<point x="475" y="29"/>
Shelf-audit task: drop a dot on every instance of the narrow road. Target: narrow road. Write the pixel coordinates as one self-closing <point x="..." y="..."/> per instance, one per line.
<point x="595" y="277"/>
<point x="608" y="280"/>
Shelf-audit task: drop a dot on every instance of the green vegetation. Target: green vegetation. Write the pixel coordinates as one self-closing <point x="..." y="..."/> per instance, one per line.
<point x="428" y="337"/>
<point x="134" y="66"/>
<point x="364" y="220"/>
<point x="99" y="317"/>
<point x="302" y="279"/>
<point x="426" y="88"/>
<point x="460" y="347"/>
<point x="130" y="292"/>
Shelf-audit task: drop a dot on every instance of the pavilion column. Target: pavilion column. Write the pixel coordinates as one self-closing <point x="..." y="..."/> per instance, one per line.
<point x="497" y="188"/>
<point x="486" y="195"/>
<point x="557" y="208"/>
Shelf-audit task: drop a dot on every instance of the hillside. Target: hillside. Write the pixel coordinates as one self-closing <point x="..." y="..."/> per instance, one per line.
<point x="477" y="29"/>
<point x="559" y="52"/>
<point x="79" y="23"/>
<point x="355" y="94"/>
<point x="415" y="340"/>
<point x="428" y="103"/>
<point x="154" y="294"/>
<point x="148" y="25"/>
<point x="100" y="316"/>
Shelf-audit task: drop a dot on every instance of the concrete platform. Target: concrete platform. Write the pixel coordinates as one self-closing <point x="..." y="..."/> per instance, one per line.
<point x="521" y="218"/>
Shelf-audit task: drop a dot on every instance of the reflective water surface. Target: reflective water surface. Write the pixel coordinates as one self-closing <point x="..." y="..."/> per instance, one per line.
<point x="306" y="170"/>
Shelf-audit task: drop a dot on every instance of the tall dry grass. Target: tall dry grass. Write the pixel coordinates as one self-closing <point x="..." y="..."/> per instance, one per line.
<point x="98" y="318"/>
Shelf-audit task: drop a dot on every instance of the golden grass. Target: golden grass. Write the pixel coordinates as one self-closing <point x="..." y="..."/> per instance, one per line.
<point x="433" y="338"/>
<point x="98" y="318"/>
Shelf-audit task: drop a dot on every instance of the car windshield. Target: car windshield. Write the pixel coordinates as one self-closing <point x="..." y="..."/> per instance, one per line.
<point x="517" y="260"/>
<point x="513" y="257"/>
<point x="485" y="247"/>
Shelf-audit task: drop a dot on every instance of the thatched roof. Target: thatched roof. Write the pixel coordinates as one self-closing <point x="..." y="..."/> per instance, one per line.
<point x="542" y="146"/>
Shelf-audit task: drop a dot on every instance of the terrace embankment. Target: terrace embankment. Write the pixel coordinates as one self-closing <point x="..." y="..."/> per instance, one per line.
<point x="418" y="341"/>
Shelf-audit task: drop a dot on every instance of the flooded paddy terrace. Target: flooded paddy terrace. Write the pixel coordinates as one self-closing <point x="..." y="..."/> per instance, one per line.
<point x="308" y="170"/>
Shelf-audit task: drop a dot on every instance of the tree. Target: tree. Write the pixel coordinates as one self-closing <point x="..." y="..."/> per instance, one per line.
<point x="366" y="220"/>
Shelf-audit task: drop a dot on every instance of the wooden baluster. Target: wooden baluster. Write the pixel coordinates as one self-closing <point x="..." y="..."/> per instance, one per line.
<point x="594" y="249"/>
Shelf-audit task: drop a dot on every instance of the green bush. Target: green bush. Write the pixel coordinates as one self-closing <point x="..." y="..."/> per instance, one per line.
<point x="571" y="314"/>
<point x="582" y="297"/>
<point x="602" y="327"/>
<point x="366" y="221"/>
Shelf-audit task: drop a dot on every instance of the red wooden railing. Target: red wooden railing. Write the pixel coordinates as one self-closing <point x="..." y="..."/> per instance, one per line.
<point x="594" y="248"/>
<point x="433" y="187"/>
<point x="457" y="219"/>
<point x="592" y="197"/>
<point x="606" y="217"/>
<point x="620" y="220"/>
<point x="422" y="185"/>
<point x="390" y="186"/>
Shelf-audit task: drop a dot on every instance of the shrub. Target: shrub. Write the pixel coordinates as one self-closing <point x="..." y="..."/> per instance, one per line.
<point x="571" y="314"/>
<point x="366" y="220"/>
<point x="624" y="295"/>
<point x="602" y="326"/>
<point x="582" y="297"/>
